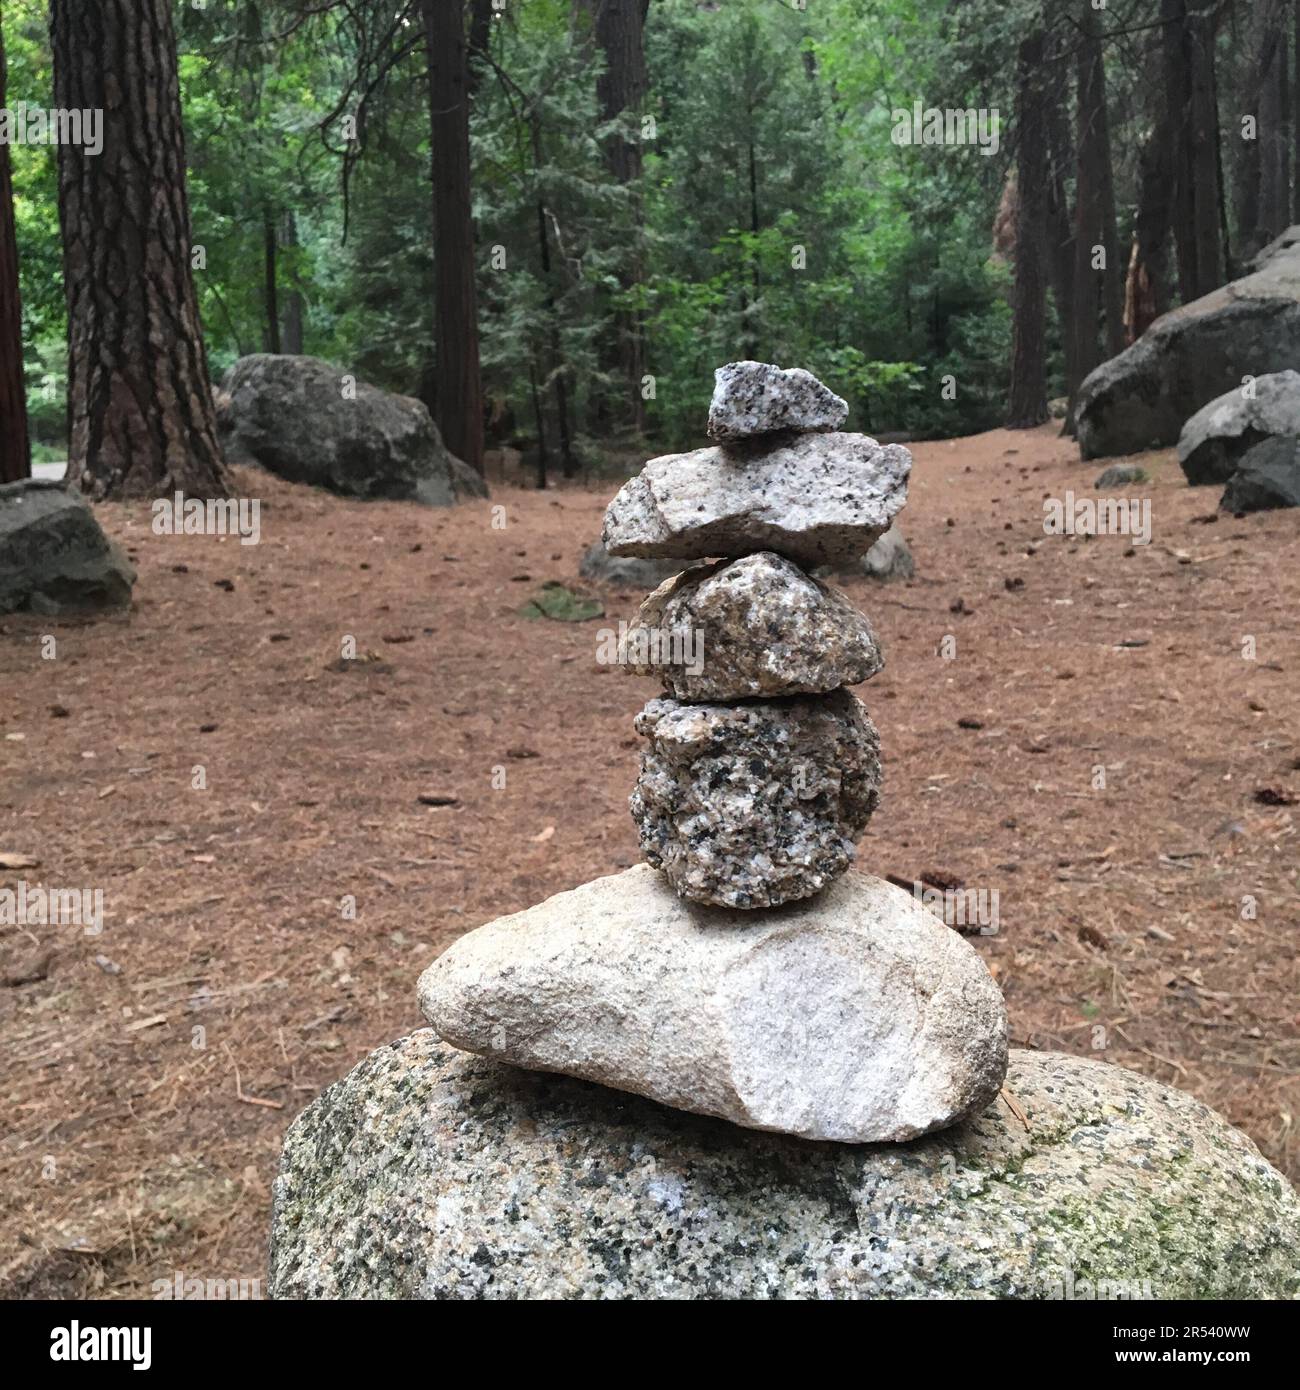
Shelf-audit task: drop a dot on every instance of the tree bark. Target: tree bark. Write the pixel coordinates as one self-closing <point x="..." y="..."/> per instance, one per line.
<point x="1060" y="223"/>
<point x="458" y="384"/>
<point x="1027" y="397"/>
<point x="140" y="414"/>
<point x="15" y="448"/>
<point x="1176" y="59"/>
<point x="622" y="87"/>
<point x="270" y="283"/>
<point x="1270" y="77"/>
<point x="1204" y="173"/>
<point x="293" y="306"/>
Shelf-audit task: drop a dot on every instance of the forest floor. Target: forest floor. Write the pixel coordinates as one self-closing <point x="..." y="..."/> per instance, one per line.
<point x="150" y="1071"/>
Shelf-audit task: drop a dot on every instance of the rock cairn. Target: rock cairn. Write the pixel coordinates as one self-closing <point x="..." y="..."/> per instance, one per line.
<point x="747" y="979"/>
<point x="762" y="769"/>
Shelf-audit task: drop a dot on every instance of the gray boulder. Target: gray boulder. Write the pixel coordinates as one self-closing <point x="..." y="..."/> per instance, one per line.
<point x="291" y="415"/>
<point x="1142" y="398"/>
<point x="1220" y="433"/>
<point x="890" y="558"/>
<point x="428" y="1173"/>
<point x="621" y="572"/>
<point x="54" y="557"/>
<point x="811" y="1019"/>
<point x="1267" y="477"/>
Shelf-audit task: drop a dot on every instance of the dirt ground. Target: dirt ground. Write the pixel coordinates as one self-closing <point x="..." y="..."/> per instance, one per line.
<point x="150" y="1071"/>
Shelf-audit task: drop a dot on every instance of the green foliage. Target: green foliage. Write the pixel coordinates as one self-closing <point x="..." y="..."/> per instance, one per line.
<point x="774" y="218"/>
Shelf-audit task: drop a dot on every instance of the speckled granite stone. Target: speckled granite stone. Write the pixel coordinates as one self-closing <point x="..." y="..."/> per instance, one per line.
<point x="429" y="1173"/>
<point x="820" y="499"/>
<point x="758" y="627"/>
<point x="756" y="804"/>
<point x="756" y="398"/>
<point x="856" y="1016"/>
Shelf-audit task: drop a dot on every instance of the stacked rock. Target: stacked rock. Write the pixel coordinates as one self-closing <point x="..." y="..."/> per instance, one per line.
<point x="751" y="978"/>
<point x="762" y="769"/>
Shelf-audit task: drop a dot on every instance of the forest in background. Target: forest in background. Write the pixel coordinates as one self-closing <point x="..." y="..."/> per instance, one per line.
<point x="657" y="186"/>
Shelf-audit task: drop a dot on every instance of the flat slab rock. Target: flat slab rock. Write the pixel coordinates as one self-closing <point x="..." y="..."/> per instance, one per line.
<point x="757" y="804"/>
<point x="819" y="499"/>
<point x="752" y="398"/>
<point x="427" y="1173"/>
<point x="1219" y="434"/>
<point x="757" y="627"/>
<point x="859" y="1017"/>
<point x="54" y="556"/>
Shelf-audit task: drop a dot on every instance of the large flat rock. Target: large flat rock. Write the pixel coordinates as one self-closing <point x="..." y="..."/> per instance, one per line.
<point x="818" y="499"/>
<point x="858" y="1016"/>
<point x="430" y="1173"/>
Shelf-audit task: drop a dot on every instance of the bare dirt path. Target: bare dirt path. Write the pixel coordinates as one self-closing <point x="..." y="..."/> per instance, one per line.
<point x="150" y="1071"/>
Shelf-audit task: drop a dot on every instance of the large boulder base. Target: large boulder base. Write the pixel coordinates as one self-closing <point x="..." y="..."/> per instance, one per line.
<point x="290" y="415"/>
<point x="1267" y="477"/>
<point x="1217" y="436"/>
<point x="430" y="1173"/>
<point x="858" y="1016"/>
<point x="54" y="557"/>
<point x="1249" y="327"/>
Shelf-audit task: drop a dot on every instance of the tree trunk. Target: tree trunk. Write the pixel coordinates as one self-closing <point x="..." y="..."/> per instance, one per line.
<point x="1088" y="204"/>
<point x="1060" y="225"/>
<point x="1206" y="187"/>
<point x="1146" y="291"/>
<point x="620" y="88"/>
<point x="270" y="286"/>
<point x="1270" y="77"/>
<point x="140" y="412"/>
<point x="1176" y="59"/>
<point x="15" y="451"/>
<point x="293" y="306"/>
<point x="458" y="384"/>
<point x="1027" y="397"/>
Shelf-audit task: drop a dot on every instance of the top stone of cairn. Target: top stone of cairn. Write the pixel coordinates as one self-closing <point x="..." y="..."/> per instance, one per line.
<point x="757" y="398"/>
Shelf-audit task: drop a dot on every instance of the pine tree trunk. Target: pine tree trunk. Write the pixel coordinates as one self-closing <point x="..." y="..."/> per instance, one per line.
<point x="1271" y="79"/>
<point x="15" y="451"/>
<point x="293" y="307"/>
<point x="140" y="412"/>
<point x="620" y="88"/>
<point x="270" y="283"/>
<point x="1176" y="59"/>
<point x="1060" y="223"/>
<point x="1206" y="185"/>
<point x="1088" y="209"/>
<point x="458" y="384"/>
<point x="1027" y="397"/>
